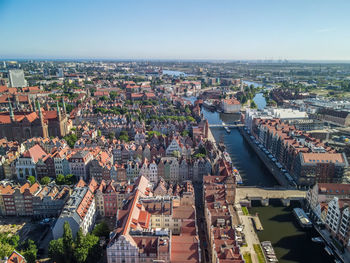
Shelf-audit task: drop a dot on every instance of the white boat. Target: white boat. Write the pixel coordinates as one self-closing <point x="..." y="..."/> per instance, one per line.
<point x="227" y="129"/>
<point x="317" y="239"/>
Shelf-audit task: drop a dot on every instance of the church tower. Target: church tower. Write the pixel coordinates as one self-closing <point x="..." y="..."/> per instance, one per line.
<point x="12" y="116"/>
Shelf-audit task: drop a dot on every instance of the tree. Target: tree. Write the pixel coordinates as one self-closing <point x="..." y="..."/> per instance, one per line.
<point x="81" y="251"/>
<point x="253" y="104"/>
<point x="101" y="230"/>
<point x="67" y="241"/>
<point x="70" y="179"/>
<point x="113" y="95"/>
<point x="199" y="155"/>
<point x="30" y="251"/>
<point x="31" y="179"/>
<point x="184" y="133"/>
<point x="111" y="135"/>
<point x="60" y="179"/>
<point x="45" y="180"/>
<point x="176" y="154"/>
<point x="56" y="250"/>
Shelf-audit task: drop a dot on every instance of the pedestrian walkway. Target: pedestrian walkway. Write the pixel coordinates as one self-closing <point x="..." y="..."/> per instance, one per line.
<point x="250" y="235"/>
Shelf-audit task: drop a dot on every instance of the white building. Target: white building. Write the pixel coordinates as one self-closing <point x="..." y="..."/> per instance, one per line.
<point x="16" y="77"/>
<point x="175" y="145"/>
<point x="79" y="212"/>
<point x="230" y="105"/>
<point x="26" y="163"/>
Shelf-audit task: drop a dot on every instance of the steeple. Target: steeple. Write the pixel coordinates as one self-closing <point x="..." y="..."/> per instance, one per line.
<point x="40" y="113"/>
<point x="64" y="106"/>
<point x="58" y="111"/>
<point x="34" y="105"/>
<point x="12" y="116"/>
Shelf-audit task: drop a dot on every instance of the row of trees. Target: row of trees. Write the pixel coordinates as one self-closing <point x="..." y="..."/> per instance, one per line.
<point x="69" y="179"/>
<point x="84" y="248"/>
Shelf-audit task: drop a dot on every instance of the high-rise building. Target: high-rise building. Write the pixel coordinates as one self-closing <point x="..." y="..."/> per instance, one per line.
<point x="16" y="78"/>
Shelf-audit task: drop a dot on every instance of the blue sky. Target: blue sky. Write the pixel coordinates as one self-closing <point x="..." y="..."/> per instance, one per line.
<point x="153" y="29"/>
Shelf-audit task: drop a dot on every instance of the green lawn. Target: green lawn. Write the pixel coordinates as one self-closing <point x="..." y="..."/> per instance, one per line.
<point x="245" y="211"/>
<point x="247" y="258"/>
<point x="259" y="253"/>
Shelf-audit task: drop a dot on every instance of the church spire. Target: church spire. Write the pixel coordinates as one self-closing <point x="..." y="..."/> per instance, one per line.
<point x="12" y="116"/>
<point x="64" y="106"/>
<point x="58" y="111"/>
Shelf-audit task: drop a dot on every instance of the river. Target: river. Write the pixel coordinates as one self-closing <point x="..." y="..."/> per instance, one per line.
<point x="291" y="243"/>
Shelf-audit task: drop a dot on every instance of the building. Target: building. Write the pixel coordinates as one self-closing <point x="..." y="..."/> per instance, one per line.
<point x="307" y="159"/>
<point x="218" y="194"/>
<point x="336" y="117"/>
<point x="79" y="164"/>
<point x="26" y="164"/>
<point x="230" y="105"/>
<point x="138" y="238"/>
<point x="16" y="78"/>
<point x="79" y="211"/>
<point x="22" y="125"/>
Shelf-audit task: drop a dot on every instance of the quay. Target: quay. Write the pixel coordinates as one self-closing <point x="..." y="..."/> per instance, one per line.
<point x="270" y="165"/>
<point x="244" y="195"/>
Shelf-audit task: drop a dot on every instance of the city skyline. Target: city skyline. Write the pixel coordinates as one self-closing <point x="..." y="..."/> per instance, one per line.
<point x="231" y="30"/>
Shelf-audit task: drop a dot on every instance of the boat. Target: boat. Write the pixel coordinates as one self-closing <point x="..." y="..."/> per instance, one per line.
<point x="227" y="129"/>
<point x="268" y="251"/>
<point x="302" y="218"/>
<point x="317" y="240"/>
<point x="328" y="250"/>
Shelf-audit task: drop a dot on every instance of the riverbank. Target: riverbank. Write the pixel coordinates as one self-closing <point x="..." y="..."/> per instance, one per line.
<point x="270" y="165"/>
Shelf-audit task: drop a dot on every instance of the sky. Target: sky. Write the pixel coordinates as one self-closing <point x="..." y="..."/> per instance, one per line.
<point x="175" y="29"/>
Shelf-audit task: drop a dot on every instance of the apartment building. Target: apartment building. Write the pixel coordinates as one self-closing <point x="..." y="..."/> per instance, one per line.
<point x="136" y="240"/>
<point x="222" y="237"/>
<point x="79" y="211"/>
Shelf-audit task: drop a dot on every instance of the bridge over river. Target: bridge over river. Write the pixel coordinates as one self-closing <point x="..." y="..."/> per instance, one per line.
<point x="244" y="195"/>
<point x="228" y="125"/>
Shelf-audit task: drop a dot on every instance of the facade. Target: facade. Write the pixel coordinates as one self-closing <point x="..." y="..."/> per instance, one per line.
<point x="223" y="243"/>
<point x="138" y="239"/>
<point x="79" y="164"/>
<point x="79" y="211"/>
<point x="26" y="164"/>
<point x="307" y="159"/>
<point x="230" y="105"/>
<point x="19" y="126"/>
<point x="16" y="78"/>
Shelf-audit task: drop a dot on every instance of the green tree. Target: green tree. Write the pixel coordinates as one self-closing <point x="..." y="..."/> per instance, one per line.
<point x="67" y="241"/>
<point x="30" y="252"/>
<point x="253" y="104"/>
<point x="176" y="154"/>
<point x="60" y="179"/>
<point x="101" y="230"/>
<point x="45" y="180"/>
<point x="111" y="135"/>
<point x="31" y="179"/>
<point x="81" y="251"/>
<point x="56" y="250"/>
<point x="70" y="179"/>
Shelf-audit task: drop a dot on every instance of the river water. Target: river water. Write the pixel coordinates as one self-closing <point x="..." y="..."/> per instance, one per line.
<point x="291" y="243"/>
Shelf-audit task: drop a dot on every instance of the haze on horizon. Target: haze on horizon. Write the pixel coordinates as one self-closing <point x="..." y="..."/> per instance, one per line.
<point x="166" y="30"/>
